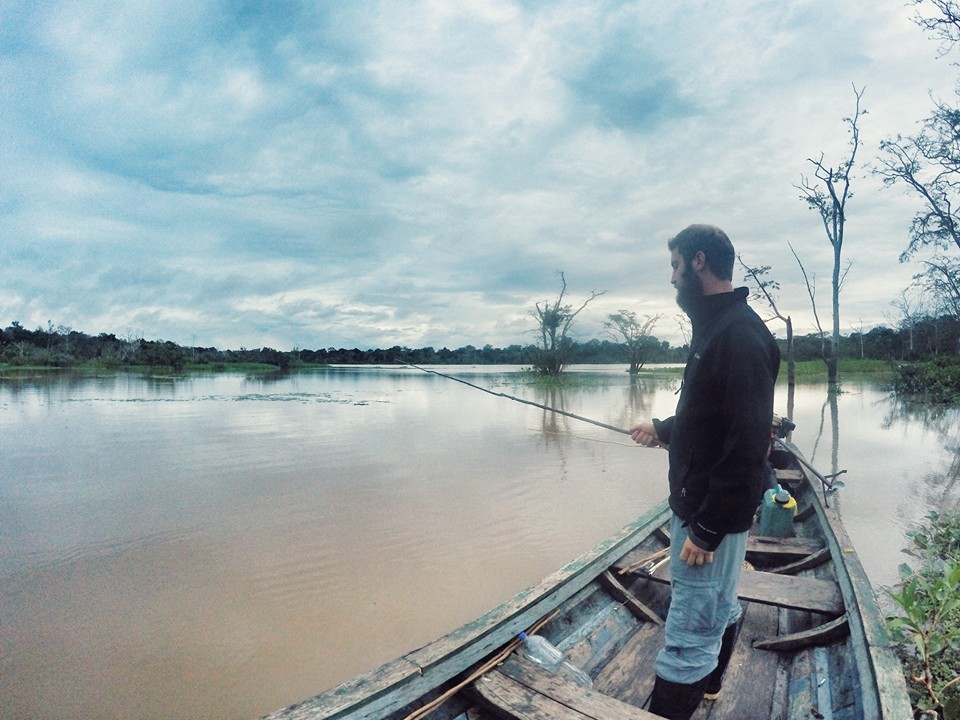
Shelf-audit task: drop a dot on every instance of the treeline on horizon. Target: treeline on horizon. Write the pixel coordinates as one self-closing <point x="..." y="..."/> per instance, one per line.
<point x="65" y="347"/>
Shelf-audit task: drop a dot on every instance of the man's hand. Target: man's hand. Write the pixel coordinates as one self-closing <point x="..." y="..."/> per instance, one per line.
<point x="645" y="434"/>
<point x="693" y="554"/>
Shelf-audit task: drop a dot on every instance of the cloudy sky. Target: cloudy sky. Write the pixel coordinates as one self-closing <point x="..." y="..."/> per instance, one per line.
<point x="284" y="174"/>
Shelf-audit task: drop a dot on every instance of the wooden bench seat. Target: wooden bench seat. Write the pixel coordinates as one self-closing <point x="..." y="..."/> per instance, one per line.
<point x="798" y="593"/>
<point x="519" y="689"/>
<point x="761" y="550"/>
<point x="760" y="547"/>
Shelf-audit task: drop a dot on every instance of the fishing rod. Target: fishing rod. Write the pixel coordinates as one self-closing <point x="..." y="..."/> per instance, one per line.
<point x="783" y="426"/>
<point x="521" y="400"/>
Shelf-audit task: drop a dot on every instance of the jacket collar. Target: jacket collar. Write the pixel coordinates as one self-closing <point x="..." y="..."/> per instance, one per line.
<point x="708" y="307"/>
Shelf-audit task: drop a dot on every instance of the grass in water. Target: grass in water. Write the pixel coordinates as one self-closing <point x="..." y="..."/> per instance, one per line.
<point x="817" y="370"/>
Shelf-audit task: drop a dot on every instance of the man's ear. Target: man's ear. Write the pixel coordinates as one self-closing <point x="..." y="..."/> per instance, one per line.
<point x="699" y="261"/>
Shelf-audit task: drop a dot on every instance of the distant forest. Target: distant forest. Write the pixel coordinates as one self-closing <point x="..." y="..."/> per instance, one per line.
<point x="65" y="347"/>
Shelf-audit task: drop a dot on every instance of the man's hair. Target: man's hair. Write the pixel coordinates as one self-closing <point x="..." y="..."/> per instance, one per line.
<point x="712" y="242"/>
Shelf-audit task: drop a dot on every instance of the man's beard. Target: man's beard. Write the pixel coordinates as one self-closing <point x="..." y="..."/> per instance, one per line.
<point x="689" y="290"/>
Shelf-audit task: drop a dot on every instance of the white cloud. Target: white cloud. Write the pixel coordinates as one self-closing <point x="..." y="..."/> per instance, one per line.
<point x="416" y="174"/>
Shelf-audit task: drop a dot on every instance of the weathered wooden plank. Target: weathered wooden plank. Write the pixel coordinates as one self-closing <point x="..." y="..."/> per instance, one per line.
<point x="510" y="699"/>
<point x="882" y="690"/>
<point x="631" y="564"/>
<point x="845" y="686"/>
<point x="801" y="593"/>
<point x="801" y="698"/>
<point x="750" y="682"/>
<point x="789" y="475"/>
<point x="828" y="632"/>
<point x="594" y="628"/>
<point x="760" y="549"/>
<point x="395" y="674"/>
<point x="765" y="545"/>
<point x="590" y="703"/>
<point x="629" y="675"/>
<point x="629" y="600"/>
<point x="662" y="533"/>
<point x="808" y="563"/>
<point x="596" y="651"/>
<point x="796" y="547"/>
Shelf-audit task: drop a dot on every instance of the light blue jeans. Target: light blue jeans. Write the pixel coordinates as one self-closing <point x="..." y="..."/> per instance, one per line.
<point x="703" y="602"/>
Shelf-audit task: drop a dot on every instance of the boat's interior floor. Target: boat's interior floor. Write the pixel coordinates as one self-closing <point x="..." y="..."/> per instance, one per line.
<point x="804" y="612"/>
<point x="750" y="684"/>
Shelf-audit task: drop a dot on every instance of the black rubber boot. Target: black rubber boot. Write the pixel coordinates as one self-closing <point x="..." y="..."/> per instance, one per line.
<point x="676" y="701"/>
<point x="715" y="679"/>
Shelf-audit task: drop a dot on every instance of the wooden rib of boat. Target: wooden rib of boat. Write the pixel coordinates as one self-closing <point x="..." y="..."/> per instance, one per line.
<point x="812" y="642"/>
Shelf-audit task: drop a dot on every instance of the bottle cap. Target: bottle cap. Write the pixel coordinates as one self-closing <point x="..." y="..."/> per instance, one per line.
<point x="522" y="636"/>
<point x="782" y="497"/>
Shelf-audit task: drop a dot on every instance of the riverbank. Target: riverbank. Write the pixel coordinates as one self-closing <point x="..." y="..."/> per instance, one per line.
<point x="7" y="370"/>
<point x="816" y="371"/>
<point x="806" y="370"/>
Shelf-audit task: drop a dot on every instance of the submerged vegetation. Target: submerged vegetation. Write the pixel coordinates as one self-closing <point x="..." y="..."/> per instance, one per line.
<point x="813" y="370"/>
<point x="927" y="629"/>
<point x="935" y="381"/>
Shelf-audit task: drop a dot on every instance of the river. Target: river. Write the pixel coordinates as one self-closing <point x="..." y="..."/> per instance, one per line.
<point x="222" y="545"/>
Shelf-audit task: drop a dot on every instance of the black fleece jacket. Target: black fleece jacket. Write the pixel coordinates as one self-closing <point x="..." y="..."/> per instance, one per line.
<point x="719" y="437"/>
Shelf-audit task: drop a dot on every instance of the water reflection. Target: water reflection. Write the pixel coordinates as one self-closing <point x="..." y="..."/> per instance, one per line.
<point x="828" y="478"/>
<point x="901" y="461"/>
<point x="940" y="488"/>
<point x="641" y="392"/>
<point x="830" y="401"/>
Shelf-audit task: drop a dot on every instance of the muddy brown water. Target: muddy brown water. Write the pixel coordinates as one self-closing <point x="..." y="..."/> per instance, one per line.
<point x="224" y="545"/>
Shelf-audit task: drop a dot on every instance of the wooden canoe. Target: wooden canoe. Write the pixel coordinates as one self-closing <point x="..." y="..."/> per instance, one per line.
<point x="812" y="642"/>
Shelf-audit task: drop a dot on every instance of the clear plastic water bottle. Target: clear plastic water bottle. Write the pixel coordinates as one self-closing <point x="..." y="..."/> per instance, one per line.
<point x="537" y="649"/>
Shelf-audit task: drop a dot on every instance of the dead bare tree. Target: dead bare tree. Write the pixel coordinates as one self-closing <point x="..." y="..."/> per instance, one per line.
<point x="858" y="329"/>
<point x="945" y="26"/>
<point x="828" y="193"/>
<point x="941" y="281"/>
<point x="554" y="321"/>
<point x="810" y="281"/>
<point x="765" y="289"/>
<point x="635" y="334"/>
<point x="910" y="307"/>
<point x="683" y="325"/>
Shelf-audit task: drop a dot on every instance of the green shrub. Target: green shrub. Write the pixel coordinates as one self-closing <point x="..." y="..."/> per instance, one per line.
<point x="937" y="380"/>
<point x="927" y="632"/>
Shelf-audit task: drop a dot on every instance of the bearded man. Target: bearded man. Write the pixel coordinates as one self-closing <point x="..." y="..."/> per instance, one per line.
<point x="718" y="441"/>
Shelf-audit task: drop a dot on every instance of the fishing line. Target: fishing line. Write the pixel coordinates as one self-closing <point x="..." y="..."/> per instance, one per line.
<point x="585" y="438"/>
<point x="828" y="482"/>
<point x="525" y="402"/>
